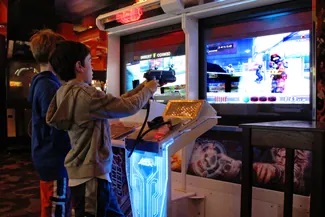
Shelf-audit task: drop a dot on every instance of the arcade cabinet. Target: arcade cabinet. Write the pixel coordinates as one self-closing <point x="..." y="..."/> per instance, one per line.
<point x="150" y="151"/>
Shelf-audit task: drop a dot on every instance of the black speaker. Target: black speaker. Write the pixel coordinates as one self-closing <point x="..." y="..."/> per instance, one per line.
<point x="26" y="16"/>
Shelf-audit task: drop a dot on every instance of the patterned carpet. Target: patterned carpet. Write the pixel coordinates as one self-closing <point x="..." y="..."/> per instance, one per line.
<point x="19" y="184"/>
<point x="19" y="192"/>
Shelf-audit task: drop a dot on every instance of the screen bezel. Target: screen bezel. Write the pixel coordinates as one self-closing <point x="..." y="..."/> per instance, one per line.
<point x="240" y="113"/>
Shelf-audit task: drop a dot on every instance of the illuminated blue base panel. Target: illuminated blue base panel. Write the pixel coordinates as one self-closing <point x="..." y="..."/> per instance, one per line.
<point x="147" y="175"/>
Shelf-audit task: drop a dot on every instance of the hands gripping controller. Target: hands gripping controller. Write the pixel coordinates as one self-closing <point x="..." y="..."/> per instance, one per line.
<point x="163" y="76"/>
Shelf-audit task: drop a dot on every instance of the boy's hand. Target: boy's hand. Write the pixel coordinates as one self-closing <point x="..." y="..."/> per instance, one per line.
<point x="152" y="85"/>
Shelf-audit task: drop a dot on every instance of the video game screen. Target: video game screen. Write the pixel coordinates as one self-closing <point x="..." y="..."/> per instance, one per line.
<point x="20" y="75"/>
<point x="269" y="69"/>
<point x="165" y="61"/>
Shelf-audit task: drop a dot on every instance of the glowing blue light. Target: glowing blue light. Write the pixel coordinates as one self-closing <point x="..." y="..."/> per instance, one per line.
<point x="166" y="144"/>
<point x="148" y="177"/>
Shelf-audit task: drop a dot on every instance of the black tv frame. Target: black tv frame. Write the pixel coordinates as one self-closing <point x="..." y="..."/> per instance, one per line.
<point x="281" y="9"/>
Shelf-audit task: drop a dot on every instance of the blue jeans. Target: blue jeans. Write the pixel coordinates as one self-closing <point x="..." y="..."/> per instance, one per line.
<point x="95" y="198"/>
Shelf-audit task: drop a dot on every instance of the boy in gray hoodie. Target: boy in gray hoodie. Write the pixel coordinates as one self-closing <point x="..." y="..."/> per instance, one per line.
<point x="83" y="111"/>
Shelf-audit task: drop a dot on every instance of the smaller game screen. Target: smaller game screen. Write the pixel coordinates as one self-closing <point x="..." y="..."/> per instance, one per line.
<point x="160" y="57"/>
<point x="21" y="74"/>
<point x="136" y="71"/>
<point x="268" y="69"/>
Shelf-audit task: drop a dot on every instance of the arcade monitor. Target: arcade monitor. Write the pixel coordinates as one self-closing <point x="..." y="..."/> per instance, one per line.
<point x="261" y="73"/>
<point x="161" y="56"/>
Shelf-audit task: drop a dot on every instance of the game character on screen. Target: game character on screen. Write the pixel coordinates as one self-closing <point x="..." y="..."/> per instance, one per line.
<point x="259" y="74"/>
<point x="230" y="69"/>
<point x="83" y="111"/>
<point x="278" y="73"/>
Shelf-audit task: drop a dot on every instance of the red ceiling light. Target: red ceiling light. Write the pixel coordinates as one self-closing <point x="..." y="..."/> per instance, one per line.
<point x="129" y="16"/>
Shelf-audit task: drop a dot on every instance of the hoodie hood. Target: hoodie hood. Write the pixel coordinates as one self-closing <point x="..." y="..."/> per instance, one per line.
<point x="62" y="107"/>
<point x="48" y="75"/>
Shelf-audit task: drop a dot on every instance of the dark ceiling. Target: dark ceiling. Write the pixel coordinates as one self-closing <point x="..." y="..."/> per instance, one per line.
<point x="74" y="10"/>
<point x="26" y="16"/>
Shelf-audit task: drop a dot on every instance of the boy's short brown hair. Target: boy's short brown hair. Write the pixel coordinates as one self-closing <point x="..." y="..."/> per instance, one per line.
<point x="43" y="43"/>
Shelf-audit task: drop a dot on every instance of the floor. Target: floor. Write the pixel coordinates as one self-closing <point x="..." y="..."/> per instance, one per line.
<point x="19" y="183"/>
<point x="19" y="192"/>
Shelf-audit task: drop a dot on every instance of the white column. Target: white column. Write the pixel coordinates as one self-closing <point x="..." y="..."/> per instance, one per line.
<point x="190" y="28"/>
<point x="113" y="65"/>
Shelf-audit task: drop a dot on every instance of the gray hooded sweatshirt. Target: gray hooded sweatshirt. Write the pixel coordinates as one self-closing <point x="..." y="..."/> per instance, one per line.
<point x="83" y="111"/>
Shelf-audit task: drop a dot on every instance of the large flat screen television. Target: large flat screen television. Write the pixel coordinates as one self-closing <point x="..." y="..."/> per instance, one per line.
<point x="272" y="69"/>
<point x="258" y="68"/>
<point x="159" y="55"/>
